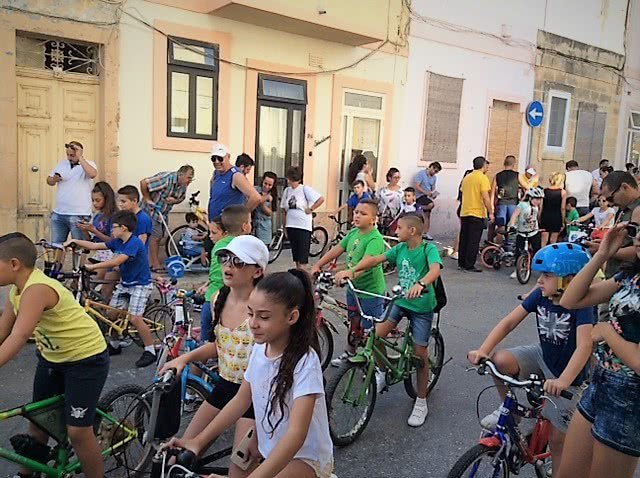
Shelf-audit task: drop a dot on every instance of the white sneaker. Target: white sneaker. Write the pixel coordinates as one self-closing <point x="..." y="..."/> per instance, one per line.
<point x="381" y="380"/>
<point x="490" y="422"/>
<point x="513" y="275"/>
<point x="454" y="256"/>
<point x="419" y="413"/>
<point x="340" y="359"/>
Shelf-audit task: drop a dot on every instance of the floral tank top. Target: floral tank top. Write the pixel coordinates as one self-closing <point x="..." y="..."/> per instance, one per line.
<point x="624" y="316"/>
<point x="234" y="348"/>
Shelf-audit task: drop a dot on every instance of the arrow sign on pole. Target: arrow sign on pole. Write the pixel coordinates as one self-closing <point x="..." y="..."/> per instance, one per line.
<point x="535" y="114"/>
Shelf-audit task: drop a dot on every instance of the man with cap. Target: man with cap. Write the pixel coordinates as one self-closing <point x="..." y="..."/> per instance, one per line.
<point x="475" y="208"/>
<point x="228" y="184"/>
<point x="159" y="194"/>
<point x="529" y="179"/>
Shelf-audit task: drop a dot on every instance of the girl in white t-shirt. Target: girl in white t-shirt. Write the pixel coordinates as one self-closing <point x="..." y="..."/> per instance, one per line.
<point x="283" y="382"/>
<point x="603" y="217"/>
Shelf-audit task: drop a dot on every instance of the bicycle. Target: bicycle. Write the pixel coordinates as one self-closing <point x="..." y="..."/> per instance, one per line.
<point x="175" y="245"/>
<point x="494" y="255"/>
<point x="506" y="450"/>
<point x="319" y="239"/>
<point x="354" y="385"/>
<point x="118" y="434"/>
<point x="325" y="328"/>
<point x="523" y="261"/>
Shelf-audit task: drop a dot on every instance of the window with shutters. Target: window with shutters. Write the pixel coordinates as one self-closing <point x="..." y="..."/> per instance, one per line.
<point x="589" y="138"/>
<point x="442" y="118"/>
<point x="558" y="109"/>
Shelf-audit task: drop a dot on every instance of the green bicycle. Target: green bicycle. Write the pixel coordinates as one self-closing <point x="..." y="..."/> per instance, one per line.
<point x="351" y="393"/>
<point x="119" y="426"/>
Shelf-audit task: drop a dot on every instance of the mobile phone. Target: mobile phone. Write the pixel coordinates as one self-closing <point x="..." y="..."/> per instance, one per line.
<point x="240" y="456"/>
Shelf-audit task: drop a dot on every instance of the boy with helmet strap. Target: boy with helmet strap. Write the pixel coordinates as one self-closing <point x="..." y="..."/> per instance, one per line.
<point x="564" y="340"/>
<point x="525" y="220"/>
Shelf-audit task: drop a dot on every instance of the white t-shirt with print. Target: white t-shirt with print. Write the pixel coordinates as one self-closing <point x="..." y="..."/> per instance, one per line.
<point x="73" y="193"/>
<point x="295" y="201"/>
<point x="307" y="380"/>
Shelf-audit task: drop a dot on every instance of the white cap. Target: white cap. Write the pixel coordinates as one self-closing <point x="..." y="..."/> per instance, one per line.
<point x="219" y="149"/>
<point x="531" y="171"/>
<point x="249" y="249"/>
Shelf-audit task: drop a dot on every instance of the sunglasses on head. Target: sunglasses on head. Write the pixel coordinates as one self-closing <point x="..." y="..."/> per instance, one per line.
<point x="231" y="260"/>
<point x="70" y="146"/>
<point x="217" y="159"/>
<point x="633" y="230"/>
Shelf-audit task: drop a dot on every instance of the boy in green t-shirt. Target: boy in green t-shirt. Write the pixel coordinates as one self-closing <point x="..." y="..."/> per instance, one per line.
<point x="362" y="241"/>
<point x="418" y="265"/>
<point x="235" y="221"/>
<point x="572" y="214"/>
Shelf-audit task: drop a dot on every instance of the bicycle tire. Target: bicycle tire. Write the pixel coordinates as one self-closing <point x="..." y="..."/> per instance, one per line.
<point x="319" y="240"/>
<point x="489" y="255"/>
<point x="136" y="414"/>
<point x="275" y="248"/>
<point x="159" y="319"/>
<point x="471" y="457"/>
<point x="436" y="361"/>
<point x="325" y="337"/>
<point x="523" y="268"/>
<point x="348" y="371"/>
<point x="176" y="234"/>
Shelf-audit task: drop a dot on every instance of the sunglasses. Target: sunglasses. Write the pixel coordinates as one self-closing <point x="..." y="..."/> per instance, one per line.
<point x="70" y="146"/>
<point x="217" y="159"/>
<point x="231" y="260"/>
<point x="633" y="230"/>
<point x="610" y="197"/>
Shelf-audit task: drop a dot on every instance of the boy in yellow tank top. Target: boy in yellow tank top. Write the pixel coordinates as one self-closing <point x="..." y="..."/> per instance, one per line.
<point x="72" y="353"/>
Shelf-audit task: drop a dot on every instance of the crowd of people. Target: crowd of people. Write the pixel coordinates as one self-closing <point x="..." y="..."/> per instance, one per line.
<point x="261" y="327"/>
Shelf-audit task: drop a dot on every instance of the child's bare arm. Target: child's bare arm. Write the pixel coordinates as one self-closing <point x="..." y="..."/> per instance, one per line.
<point x="92" y="246"/>
<point x="576" y="362"/>
<point x="113" y="262"/>
<point x="6" y="321"/>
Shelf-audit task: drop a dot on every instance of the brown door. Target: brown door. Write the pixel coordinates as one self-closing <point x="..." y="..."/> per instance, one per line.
<point x="505" y="130"/>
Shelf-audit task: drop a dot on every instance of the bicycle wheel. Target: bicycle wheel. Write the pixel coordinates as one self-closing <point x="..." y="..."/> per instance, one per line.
<point x="523" y="268"/>
<point x="319" y="239"/>
<point x="125" y="405"/>
<point x="350" y="402"/>
<point x="159" y="320"/>
<point x="436" y="361"/>
<point x="478" y="462"/>
<point x="275" y="248"/>
<point x="325" y="337"/>
<point x="489" y="256"/>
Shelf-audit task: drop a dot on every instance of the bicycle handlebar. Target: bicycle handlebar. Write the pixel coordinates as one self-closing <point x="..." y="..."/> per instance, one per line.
<point x="487" y="367"/>
<point x="49" y="245"/>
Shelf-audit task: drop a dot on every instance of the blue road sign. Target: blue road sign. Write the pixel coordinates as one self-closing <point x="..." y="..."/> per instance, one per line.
<point x="535" y="114"/>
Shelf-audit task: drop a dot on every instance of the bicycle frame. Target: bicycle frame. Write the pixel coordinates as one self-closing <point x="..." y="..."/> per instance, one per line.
<point x="119" y="325"/>
<point x="46" y="409"/>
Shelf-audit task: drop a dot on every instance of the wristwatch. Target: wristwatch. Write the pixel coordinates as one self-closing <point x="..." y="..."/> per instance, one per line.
<point x="422" y="284"/>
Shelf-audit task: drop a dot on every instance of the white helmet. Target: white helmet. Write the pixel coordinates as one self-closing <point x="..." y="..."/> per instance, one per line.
<point x="535" y="193"/>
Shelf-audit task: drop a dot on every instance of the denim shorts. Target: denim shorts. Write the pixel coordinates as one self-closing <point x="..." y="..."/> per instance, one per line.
<point x="63" y="224"/>
<point x="504" y="213"/>
<point x="373" y="306"/>
<point x="420" y="323"/>
<point x="612" y="404"/>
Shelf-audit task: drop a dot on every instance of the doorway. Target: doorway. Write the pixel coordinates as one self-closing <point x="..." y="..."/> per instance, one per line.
<point x="505" y="131"/>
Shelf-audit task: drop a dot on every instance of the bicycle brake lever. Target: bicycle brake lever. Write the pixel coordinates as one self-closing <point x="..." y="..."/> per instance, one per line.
<point x="547" y="397"/>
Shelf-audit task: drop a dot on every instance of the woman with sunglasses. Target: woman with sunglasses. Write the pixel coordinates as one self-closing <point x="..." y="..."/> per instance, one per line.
<point x="604" y="437"/>
<point x="243" y="261"/>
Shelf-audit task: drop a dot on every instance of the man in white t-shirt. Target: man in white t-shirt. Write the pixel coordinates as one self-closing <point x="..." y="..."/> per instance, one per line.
<point x="604" y="163"/>
<point x="580" y="184"/>
<point x="73" y="178"/>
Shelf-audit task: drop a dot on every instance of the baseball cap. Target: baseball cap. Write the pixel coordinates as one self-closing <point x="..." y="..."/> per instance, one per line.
<point x="249" y="249"/>
<point x="219" y="149"/>
<point x="531" y="171"/>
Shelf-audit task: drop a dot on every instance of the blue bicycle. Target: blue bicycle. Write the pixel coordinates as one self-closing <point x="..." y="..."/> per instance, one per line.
<point x="506" y="450"/>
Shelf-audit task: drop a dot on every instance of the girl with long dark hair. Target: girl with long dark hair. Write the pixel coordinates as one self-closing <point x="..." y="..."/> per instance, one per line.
<point x="283" y="383"/>
<point x="360" y="168"/>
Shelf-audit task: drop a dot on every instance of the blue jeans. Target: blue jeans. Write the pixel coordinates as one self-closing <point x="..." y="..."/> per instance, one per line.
<point x="420" y="323"/>
<point x="63" y="224"/>
<point x="206" y="323"/>
<point x="504" y="213"/>
<point x="373" y="306"/>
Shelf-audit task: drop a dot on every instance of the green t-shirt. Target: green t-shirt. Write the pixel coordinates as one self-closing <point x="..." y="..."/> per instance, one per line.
<point x="572" y="216"/>
<point x="215" y="271"/>
<point x="413" y="265"/>
<point x="358" y="245"/>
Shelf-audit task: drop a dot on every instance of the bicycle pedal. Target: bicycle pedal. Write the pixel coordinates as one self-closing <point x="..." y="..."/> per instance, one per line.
<point x="29" y="447"/>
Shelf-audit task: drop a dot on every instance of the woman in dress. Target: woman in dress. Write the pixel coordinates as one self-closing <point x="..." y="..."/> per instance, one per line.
<point x="553" y="209"/>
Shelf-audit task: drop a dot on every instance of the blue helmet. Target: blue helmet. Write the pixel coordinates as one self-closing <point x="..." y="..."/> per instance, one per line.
<point x="561" y="259"/>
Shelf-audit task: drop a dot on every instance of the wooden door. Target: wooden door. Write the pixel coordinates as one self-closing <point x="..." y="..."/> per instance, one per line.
<point x="505" y="131"/>
<point x="51" y="112"/>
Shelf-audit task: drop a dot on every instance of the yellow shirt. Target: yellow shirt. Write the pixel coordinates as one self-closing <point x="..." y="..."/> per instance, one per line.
<point x="532" y="182"/>
<point x="234" y="348"/>
<point x="472" y="188"/>
<point x="65" y="333"/>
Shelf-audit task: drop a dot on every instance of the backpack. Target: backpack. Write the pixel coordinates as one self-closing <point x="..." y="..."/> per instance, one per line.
<point x="438" y="288"/>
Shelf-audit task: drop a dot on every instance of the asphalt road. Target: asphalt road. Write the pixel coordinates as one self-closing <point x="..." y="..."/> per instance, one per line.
<point x="388" y="447"/>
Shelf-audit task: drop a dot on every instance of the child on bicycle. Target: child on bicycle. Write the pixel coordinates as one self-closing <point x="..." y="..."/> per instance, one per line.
<point x="603" y="217"/>
<point x="283" y="384"/>
<point x="361" y="241"/>
<point x="134" y="288"/>
<point x="525" y="221"/>
<point x="192" y="237"/>
<point x="128" y="200"/>
<point x="419" y="265"/>
<point x="72" y="357"/>
<point x="359" y="193"/>
<point x="244" y="260"/>
<point x="572" y="215"/>
<point x="565" y="341"/>
<point x="604" y="438"/>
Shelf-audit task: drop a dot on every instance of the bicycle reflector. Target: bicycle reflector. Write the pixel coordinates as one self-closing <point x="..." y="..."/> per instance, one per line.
<point x="175" y="267"/>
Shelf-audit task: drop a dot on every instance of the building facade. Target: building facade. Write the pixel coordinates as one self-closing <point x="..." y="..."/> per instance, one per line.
<point x="289" y="83"/>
